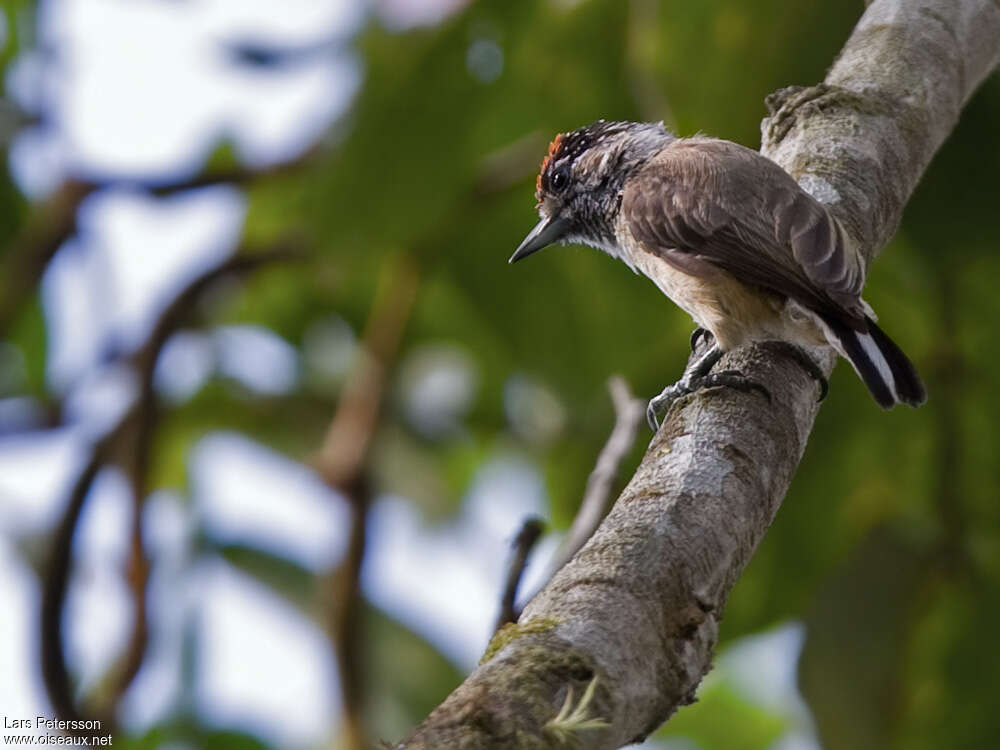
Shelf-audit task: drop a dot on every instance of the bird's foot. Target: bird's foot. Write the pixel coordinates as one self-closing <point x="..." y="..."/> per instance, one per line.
<point x="698" y="335"/>
<point x="687" y="385"/>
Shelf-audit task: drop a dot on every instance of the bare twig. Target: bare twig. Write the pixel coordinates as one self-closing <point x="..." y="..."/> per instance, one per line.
<point x="131" y="438"/>
<point x="598" y="496"/>
<point x="524" y="542"/>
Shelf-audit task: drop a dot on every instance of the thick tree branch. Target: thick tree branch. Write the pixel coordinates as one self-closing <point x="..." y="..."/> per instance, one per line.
<point x="636" y="612"/>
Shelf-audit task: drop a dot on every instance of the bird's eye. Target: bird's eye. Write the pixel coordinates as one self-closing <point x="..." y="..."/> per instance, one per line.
<point x="559" y="180"/>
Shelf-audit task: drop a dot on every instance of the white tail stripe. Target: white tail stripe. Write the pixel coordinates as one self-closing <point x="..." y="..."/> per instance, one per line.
<point x="878" y="359"/>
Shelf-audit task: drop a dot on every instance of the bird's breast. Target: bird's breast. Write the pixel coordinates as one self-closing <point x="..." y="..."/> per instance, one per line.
<point x="734" y="312"/>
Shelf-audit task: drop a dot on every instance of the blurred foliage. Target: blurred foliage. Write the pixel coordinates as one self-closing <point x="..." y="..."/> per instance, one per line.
<point x="16" y="22"/>
<point x="722" y="719"/>
<point x="407" y="679"/>
<point x="888" y="544"/>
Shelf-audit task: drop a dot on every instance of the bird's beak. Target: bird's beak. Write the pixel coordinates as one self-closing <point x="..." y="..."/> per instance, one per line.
<point x="546" y="232"/>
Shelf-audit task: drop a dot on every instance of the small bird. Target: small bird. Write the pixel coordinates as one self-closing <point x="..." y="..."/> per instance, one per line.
<point x="730" y="237"/>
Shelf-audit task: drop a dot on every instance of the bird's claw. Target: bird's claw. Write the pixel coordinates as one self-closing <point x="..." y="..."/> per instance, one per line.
<point x="661" y="403"/>
<point x="685" y="386"/>
<point x="698" y="335"/>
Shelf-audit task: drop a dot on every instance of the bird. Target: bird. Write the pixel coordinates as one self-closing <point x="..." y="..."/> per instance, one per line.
<point x="731" y="238"/>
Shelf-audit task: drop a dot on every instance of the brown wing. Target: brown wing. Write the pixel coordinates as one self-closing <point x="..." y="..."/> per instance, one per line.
<point x="704" y="201"/>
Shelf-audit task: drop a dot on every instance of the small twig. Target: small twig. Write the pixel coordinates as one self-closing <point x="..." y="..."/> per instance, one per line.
<point x="598" y="496"/>
<point x="521" y="548"/>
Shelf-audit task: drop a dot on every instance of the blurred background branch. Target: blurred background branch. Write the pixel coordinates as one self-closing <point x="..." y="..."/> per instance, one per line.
<point x="128" y="443"/>
<point x="54" y="222"/>
<point x="343" y="464"/>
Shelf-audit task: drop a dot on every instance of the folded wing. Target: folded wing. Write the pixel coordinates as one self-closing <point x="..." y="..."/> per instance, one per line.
<point x="703" y="202"/>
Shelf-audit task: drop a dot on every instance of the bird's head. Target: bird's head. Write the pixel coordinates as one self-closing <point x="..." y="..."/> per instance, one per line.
<point x="580" y="184"/>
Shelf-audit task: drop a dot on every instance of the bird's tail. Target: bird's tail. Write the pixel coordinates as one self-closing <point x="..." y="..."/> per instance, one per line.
<point x="888" y="373"/>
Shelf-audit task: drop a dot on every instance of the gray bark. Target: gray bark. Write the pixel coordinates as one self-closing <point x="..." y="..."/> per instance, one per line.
<point x="638" y="607"/>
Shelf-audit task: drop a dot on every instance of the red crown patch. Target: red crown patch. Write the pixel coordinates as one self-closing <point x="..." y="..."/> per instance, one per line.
<point x="553" y="148"/>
